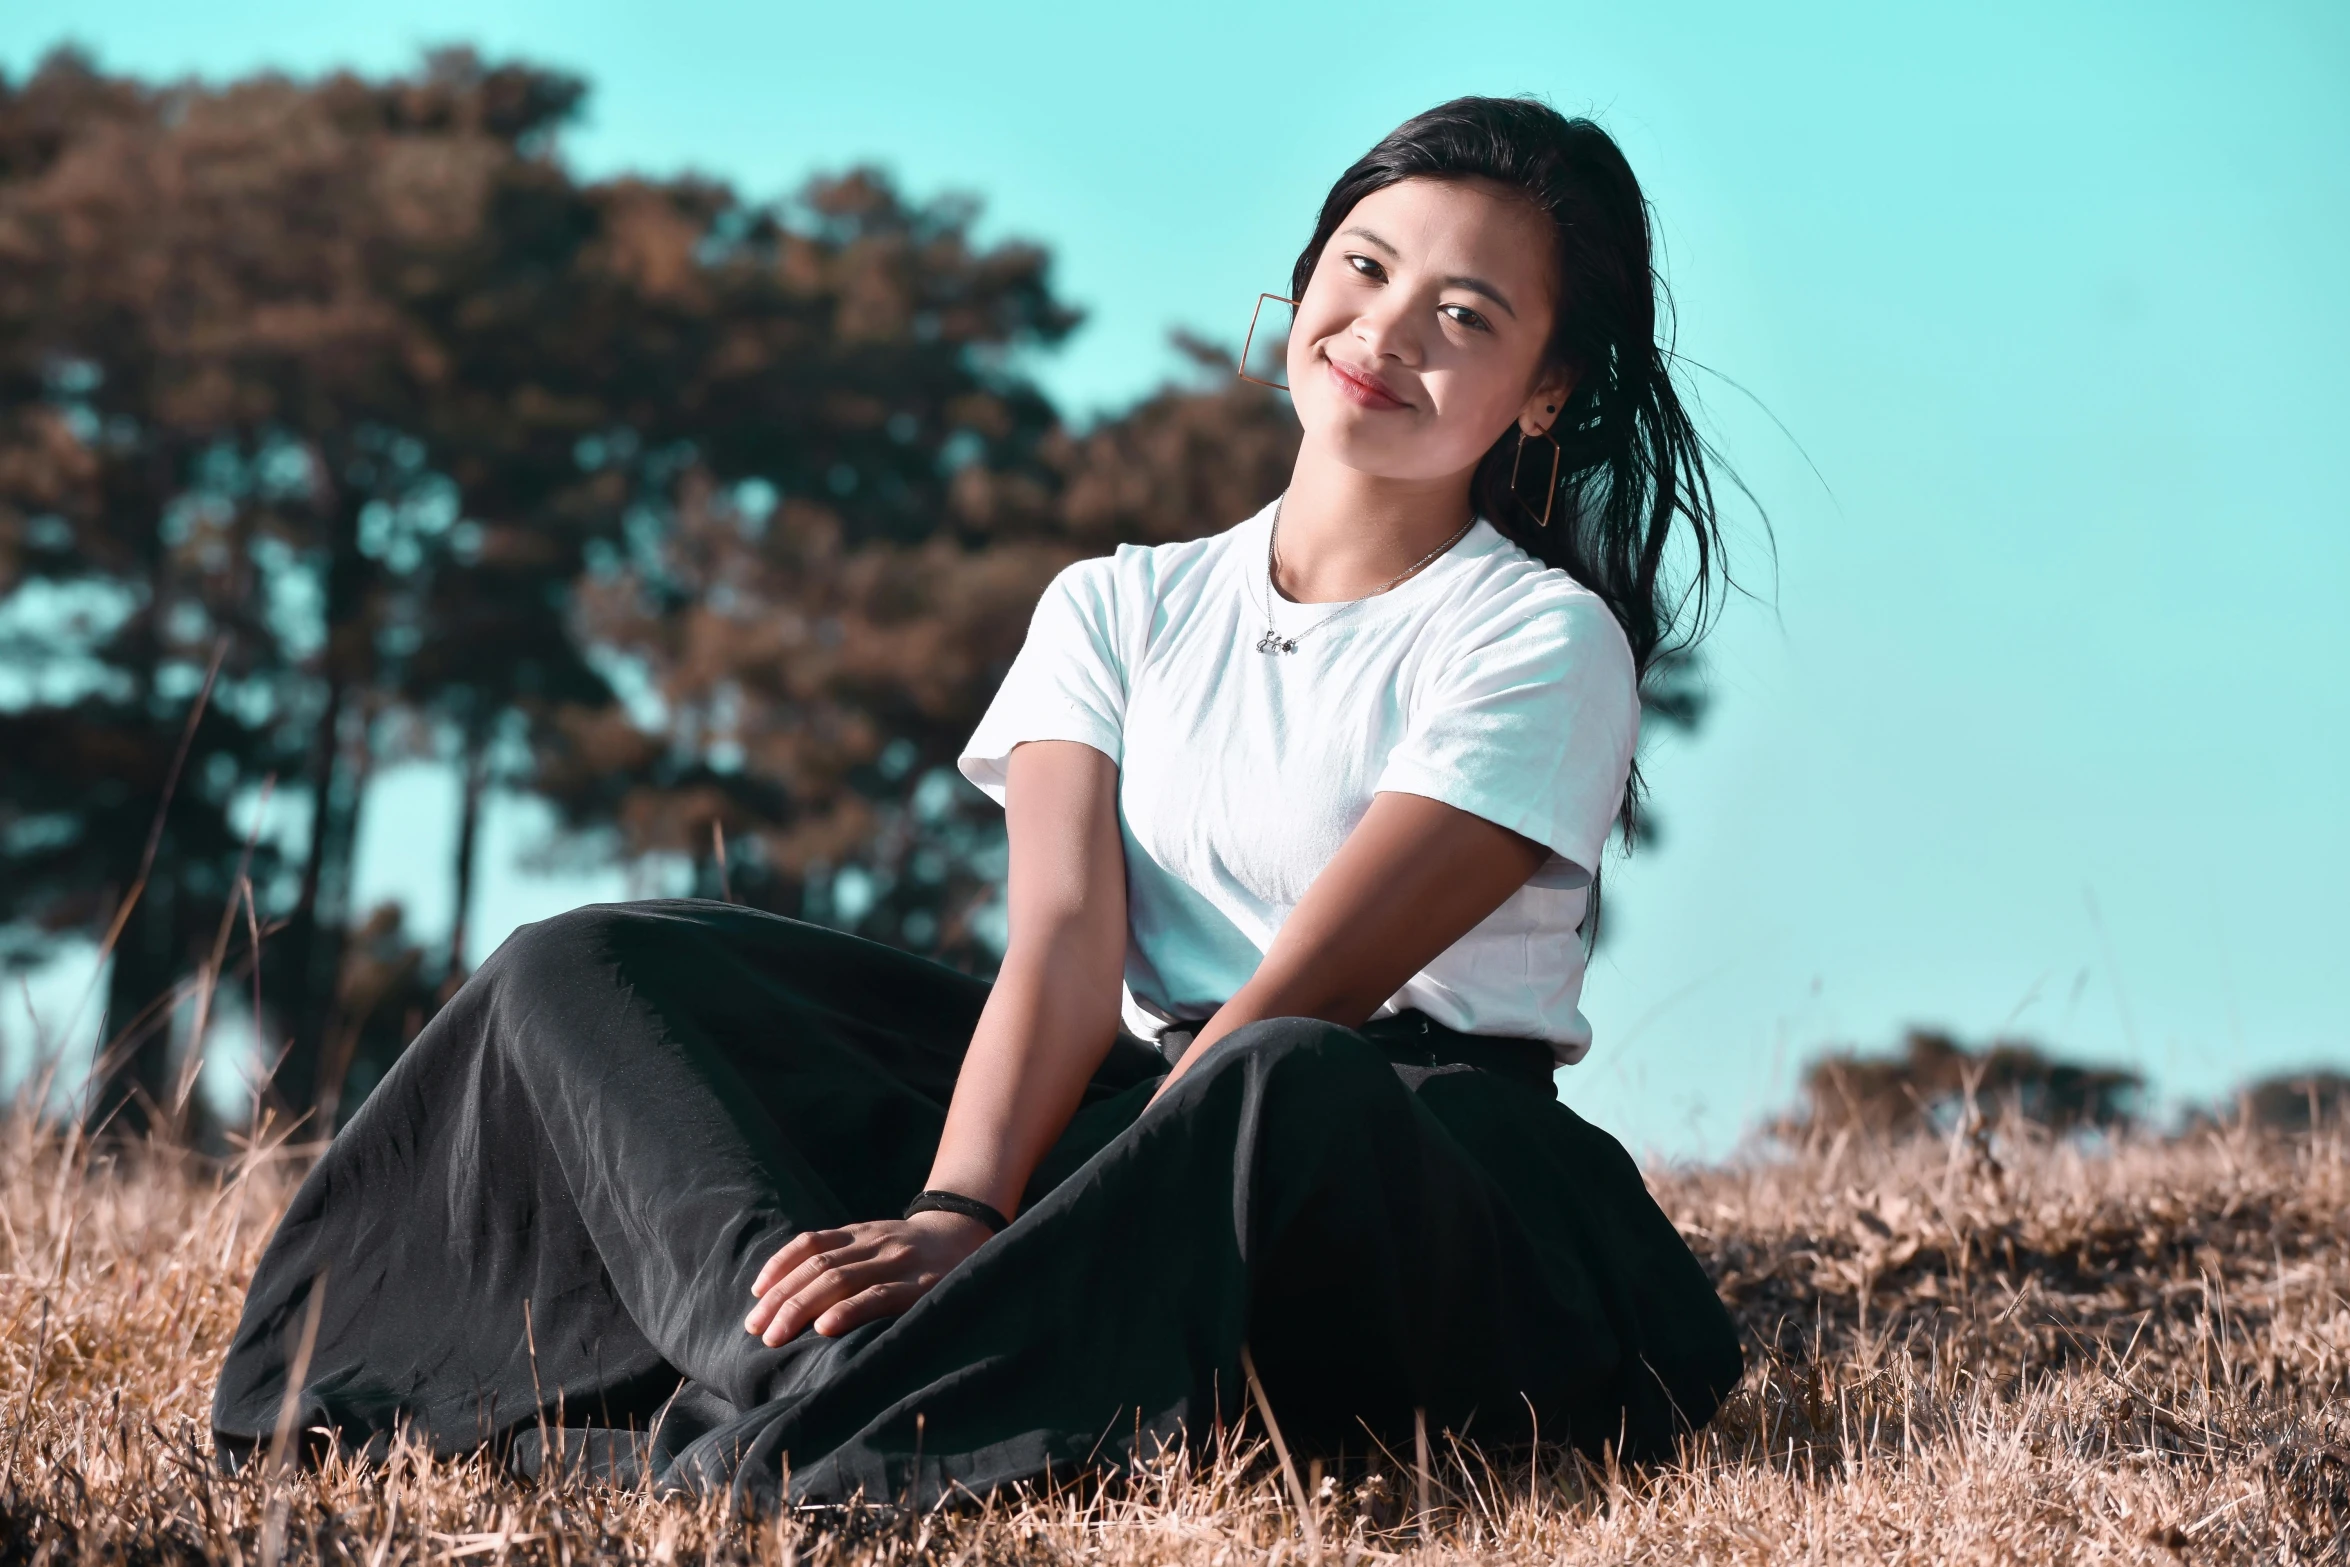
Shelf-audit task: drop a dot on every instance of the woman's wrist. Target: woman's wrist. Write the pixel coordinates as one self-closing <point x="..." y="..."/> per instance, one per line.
<point x="959" y="1231"/>
<point x="987" y="1179"/>
<point x="942" y="1199"/>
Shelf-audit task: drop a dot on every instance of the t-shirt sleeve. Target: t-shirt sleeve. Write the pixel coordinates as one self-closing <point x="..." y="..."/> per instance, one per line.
<point x="1533" y="732"/>
<point x="1068" y="681"/>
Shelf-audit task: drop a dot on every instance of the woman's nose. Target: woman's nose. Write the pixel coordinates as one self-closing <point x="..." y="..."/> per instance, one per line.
<point x="1386" y="329"/>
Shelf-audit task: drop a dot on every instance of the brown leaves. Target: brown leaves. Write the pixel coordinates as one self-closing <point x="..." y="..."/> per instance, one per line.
<point x="648" y="241"/>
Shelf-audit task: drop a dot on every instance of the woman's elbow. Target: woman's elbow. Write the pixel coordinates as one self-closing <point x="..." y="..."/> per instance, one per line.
<point x="1076" y="953"/>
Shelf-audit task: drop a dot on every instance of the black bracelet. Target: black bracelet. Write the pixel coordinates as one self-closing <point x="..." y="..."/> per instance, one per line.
<point x="956" y="1202"/>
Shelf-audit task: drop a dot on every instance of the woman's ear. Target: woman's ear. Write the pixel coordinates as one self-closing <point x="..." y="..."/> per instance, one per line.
<point x="1541" y="409"/>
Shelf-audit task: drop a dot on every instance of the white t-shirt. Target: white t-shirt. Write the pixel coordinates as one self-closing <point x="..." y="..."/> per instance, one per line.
<point x="1488" y="681"/>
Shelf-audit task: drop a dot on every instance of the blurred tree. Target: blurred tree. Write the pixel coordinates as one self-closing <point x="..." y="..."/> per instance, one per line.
<point x="356" y="378"/>
<point x="2291" y="1102"/>
<point x="225" y="337"/>
<point x="126" y="558"/>
<point x="1936" y="1081"/>
<point x="705" y="519"/>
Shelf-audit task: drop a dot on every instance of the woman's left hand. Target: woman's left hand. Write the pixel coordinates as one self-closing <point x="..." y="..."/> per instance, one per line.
<point x="833" y="1280"/>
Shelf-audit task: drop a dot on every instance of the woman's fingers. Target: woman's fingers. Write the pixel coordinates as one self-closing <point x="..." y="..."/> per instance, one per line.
<point x="874" y="1301"/>
<point x="798" y="1306"/>
<point x="799" y="1285"/>
<point x="797" y="1251"/>
<point x="798" y="1267"/>
<point x="817" y="1269"/>
<point x="800" y="1309"/>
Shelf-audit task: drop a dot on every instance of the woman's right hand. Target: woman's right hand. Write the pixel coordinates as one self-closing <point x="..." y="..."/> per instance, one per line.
<point x="833" y="1280"/>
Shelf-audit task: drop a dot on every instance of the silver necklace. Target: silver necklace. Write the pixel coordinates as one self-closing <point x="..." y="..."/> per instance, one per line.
<point x="1274" y="642"/>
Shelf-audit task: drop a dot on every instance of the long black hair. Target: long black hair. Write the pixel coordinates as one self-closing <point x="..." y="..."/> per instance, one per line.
<point x="1631" y="466"/>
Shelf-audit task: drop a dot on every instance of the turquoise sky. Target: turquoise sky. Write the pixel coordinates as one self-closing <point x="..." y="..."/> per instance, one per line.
<point x="2040" y="721"/>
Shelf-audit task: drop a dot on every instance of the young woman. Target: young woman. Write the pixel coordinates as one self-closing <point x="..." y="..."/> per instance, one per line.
<point x="1305" y="820"/>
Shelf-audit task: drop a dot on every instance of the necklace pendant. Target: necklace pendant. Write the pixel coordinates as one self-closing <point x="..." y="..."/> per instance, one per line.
<point x="1273" y="642"/>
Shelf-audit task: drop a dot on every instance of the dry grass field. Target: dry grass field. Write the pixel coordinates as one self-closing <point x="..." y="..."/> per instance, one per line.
<point x="1986" y="1347"/>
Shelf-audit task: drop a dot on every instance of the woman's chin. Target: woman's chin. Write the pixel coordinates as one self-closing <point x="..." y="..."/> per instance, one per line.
<point x="1378" y="449"/>
<point x="1343" y="424"/>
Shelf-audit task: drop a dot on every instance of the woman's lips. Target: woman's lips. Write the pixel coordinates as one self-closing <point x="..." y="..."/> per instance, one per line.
<point x="1361" y="389"/>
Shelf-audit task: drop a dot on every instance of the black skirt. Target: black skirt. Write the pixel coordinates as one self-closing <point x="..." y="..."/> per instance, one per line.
<point x="540" y="1232"/>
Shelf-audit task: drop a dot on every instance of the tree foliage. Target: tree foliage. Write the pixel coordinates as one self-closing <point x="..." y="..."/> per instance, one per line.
<point x="689" y="512"/>
<point x="342" y="423"/>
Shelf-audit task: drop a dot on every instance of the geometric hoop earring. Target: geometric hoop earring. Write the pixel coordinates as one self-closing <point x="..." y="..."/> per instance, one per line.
<point x="1550" y="492"/>
<point x="1278" y="386"/>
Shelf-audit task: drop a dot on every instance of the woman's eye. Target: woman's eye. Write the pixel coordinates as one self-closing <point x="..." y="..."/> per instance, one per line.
<point x="1365" y="267"/>
<point x="1466" y="317"/>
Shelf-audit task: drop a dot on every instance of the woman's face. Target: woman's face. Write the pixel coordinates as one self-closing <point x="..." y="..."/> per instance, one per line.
<point x="1421" y="333"/>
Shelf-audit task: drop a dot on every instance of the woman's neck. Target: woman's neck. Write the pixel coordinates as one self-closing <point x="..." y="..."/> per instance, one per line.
<point x="1344" y="532"/>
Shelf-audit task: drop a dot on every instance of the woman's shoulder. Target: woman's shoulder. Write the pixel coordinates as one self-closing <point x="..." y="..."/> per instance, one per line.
<point x="1516" y="598"/>
<point x="1138" y="577"/>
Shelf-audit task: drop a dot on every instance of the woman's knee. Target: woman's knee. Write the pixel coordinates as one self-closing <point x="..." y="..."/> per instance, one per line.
<point x="562" y="947"/>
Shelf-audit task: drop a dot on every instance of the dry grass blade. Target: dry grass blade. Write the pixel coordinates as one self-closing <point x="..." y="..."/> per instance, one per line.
<point x="1297" y="1489"/>
<point x="290" y="1406"/>
<point x="718" y="853"/>
<point x="171" y="781"/>
<point x="240" y="890"/>
<point x="24" y="1413"/>
<point x="1420" y="1514"/>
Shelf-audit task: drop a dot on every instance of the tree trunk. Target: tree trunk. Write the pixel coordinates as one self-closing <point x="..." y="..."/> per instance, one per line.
<point x="317" y="970"/>
<point x="131" y="1073"/>
<point x="309" y="957"/>
<point x="131" y="1062"/>
<point x="294" y="958"/>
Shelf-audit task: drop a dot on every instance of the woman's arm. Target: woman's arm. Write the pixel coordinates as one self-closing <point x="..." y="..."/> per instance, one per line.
<point x="1053" y="1010"/>
<point x="1411" y="879"/>
<point x="1048" y="1022"/>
